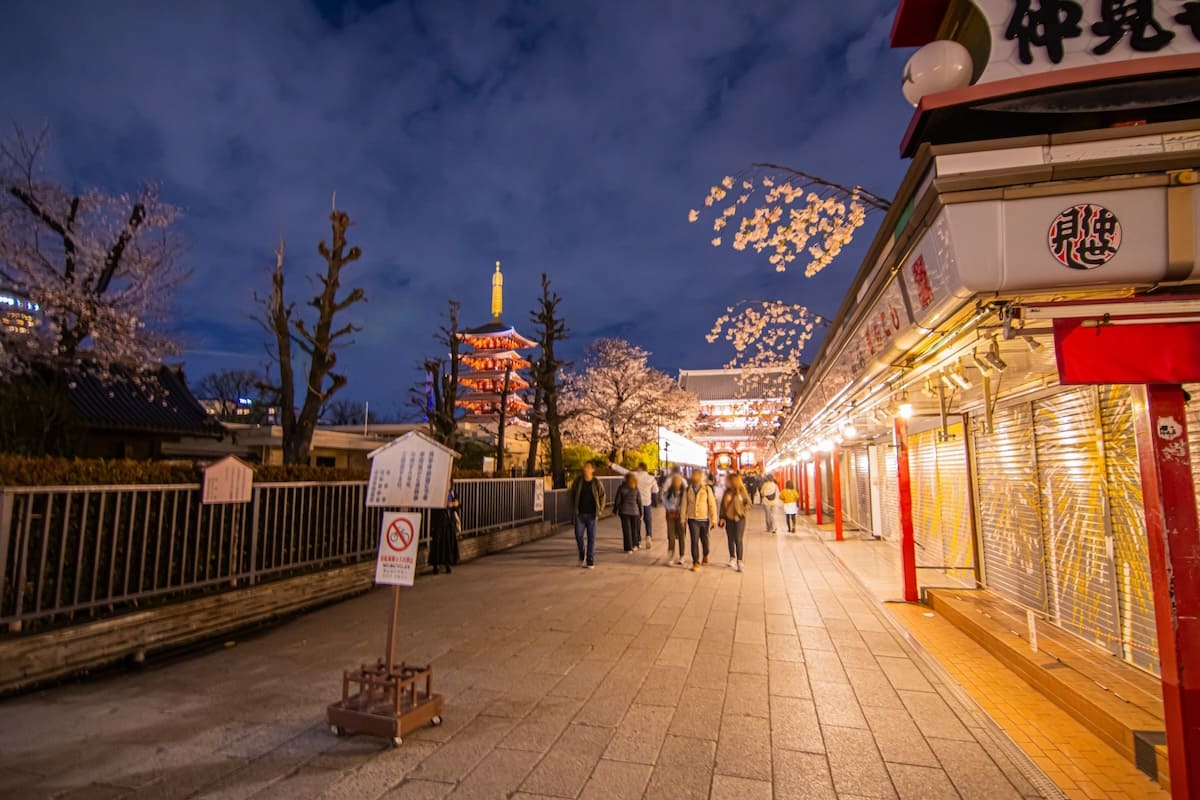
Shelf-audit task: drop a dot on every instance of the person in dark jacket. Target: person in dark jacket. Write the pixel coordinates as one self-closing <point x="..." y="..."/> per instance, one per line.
<point x="628" y="506"/>
<point x="443" y="535"/>
<point x="587" y="500"/>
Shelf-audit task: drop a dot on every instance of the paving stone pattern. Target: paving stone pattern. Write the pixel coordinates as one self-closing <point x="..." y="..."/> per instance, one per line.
<point x="628" y="681"/>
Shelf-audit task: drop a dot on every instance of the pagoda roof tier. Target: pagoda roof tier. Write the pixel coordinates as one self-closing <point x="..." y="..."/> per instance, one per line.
<point x="515" y="379"/>
<point x="490" y="397"/>
<point x="498" y="333"/>
<point x="496" y="355"/>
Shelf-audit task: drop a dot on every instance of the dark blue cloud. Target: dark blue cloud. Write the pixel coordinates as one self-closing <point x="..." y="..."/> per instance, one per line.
<point x="569" y="138"/>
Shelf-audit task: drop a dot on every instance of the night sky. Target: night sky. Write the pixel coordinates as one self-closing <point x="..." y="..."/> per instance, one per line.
<point x="569" y="137"/>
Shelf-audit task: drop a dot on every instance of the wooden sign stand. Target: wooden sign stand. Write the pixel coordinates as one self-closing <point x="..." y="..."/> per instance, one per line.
<point x="384" y="699"/>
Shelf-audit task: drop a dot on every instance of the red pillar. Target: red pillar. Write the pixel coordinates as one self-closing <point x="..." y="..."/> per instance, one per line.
<point x="835" y="465"/>
<point x="908" y="546"/>
<point x="803" y="467"/>
<point x="817" y="489"/>
<point x="1169" y="497"/>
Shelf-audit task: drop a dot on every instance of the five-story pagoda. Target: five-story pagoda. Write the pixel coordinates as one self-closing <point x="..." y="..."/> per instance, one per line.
<point x="495" y="357"/>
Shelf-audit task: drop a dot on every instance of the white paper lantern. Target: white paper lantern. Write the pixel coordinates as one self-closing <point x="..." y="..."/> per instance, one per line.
<point x="937" y="67"/>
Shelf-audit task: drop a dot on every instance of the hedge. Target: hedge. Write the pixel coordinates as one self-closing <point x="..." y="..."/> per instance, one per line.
<point x="32" y="471"/>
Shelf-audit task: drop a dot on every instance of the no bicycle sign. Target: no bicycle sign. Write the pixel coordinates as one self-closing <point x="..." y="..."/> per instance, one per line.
<point x="396" y="563"/>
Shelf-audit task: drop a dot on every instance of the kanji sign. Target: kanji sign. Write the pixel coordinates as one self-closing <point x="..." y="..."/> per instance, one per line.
<point x="539" y="496"/>
<point x="1030" y="36"/>
<point x="229" y="480"/>
<point x="396" y="562"/>
<point x="1085" y="236"/>
<point x="412" y="471"/>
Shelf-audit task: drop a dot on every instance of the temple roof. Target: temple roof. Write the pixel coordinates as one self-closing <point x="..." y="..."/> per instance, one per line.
<point x="155" y="401"/>
<point x="497" y="330"/>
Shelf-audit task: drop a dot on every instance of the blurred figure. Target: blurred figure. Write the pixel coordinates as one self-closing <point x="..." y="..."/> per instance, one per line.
<point x="587" y="499"/>
<point x="627" y="504"/>
<point x="770" y="499"/>
<point x="648" y="487"/>
<point x="443" y="535"/>
<point x="735" y="505"/>
<point x="791" y="504"/>
<point x="676" y="526"/>
<point x="699" y="511"/>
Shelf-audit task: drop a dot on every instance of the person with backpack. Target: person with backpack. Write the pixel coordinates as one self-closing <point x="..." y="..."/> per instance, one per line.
<point x="770" y="498"/>
<point x="735" y="505"/>
<point x="699" y="511"/>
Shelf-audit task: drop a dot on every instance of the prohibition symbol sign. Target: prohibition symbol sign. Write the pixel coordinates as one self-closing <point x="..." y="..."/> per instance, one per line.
<point x="400" y="535"/>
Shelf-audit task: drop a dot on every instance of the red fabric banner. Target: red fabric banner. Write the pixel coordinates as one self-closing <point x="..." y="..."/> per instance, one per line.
<point x="1126" y="350"/>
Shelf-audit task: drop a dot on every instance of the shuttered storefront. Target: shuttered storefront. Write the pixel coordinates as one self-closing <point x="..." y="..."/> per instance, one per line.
<point x="1139" y="639"/>
<point x="941" y="504"/>
<point x="1071" y="474"/>
<point x="889" y="492"/>
<point x="1009" y="506"/>
<point x="861" y="462"/>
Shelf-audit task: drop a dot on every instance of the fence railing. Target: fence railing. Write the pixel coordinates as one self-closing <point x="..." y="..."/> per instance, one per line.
<point x="91" y="551"/>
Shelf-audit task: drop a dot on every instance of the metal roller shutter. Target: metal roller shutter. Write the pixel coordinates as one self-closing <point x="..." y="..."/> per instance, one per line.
<point x="1139" y="639"/>
<point x="941" y="507"/>
<point x="1071" y="475"/>
<point x="1010" y="526"/>
<point x="826" y="462"/>
<point x="889" y="491"/>
<point x="862" y="489"/>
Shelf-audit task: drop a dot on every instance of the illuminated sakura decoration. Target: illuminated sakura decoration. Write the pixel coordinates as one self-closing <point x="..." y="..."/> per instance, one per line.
<point x="99" y="267"/>
<point x="789" y="214"/>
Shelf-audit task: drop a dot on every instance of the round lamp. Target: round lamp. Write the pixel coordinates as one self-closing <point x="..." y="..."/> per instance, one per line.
<point x="937" y="67"/>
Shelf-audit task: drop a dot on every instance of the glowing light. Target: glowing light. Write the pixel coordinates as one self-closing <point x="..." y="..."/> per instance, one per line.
<point x="905" y="411"/>
<point x="849" y="431"/>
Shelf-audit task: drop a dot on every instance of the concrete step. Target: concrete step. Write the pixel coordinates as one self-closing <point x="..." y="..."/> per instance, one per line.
<point x="1116" y="701"/>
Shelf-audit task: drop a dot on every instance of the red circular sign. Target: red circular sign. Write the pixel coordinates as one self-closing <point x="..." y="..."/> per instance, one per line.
<point x="1085" y="236"/>
<point x="400" y="535"/>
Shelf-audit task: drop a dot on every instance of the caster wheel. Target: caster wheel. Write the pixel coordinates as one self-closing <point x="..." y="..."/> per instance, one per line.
<point x="397" y="741"/>
<point x="337" y="730"/>
<point x="436" y="721"/>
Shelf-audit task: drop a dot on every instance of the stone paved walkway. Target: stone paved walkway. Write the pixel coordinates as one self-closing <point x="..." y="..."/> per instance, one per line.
<point x="631" y="680"/>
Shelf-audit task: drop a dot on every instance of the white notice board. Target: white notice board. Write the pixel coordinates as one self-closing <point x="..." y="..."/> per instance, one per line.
<point x="396" y="561"/>
<point x="229" y="480"/>
<point x="410" y="472"/>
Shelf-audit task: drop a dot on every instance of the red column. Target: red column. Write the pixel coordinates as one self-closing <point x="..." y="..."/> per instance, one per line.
<point x="803" y="467"/>
<point x="908" y="547"/>
<point x="1169" y="497"/>
<point x="835" y="465"/>
<point x="817" y="489"/>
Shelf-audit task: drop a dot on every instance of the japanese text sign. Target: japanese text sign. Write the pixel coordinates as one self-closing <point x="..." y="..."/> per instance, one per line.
<point x="229" y="480"/>
<point x="396" y="562"/>
<point x="412" y="471"/>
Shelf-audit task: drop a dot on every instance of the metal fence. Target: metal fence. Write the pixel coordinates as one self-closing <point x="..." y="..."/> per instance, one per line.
<point x="90" y="551"/>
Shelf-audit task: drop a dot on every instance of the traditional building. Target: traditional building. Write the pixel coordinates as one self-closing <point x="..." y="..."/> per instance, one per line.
<point x="494" y="357"/>
<point x="739" y="412"/>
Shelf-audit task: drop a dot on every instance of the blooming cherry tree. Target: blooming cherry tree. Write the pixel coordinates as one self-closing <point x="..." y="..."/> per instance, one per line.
<point x="100" y="268"/>
<point x="788" y="213"/>
<point x="617" y="401"/>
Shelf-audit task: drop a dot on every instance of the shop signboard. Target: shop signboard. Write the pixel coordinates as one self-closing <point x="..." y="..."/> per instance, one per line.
<point x="1034" y="36"/>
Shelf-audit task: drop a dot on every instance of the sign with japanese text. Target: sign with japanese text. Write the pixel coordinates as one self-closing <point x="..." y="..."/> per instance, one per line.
<point x="229" y="480"/>
<point x="1033" y="36"/>
<point x="410" y="472"/>
<point x="539" y="496"/>
<point x="396" y="562"/>
<point x="1085" y="236"/>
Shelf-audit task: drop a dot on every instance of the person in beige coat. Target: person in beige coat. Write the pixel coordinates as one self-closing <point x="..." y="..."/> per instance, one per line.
<point x="699" y="509"/>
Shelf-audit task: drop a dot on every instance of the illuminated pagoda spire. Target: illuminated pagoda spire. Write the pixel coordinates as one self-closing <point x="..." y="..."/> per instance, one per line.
<point x="495" y="349"/>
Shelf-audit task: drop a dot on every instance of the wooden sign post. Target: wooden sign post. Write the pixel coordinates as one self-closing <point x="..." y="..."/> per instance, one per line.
<point x="386" y="699"/>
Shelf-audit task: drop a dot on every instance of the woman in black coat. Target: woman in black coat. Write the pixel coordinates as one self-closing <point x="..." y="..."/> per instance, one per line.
<point x="443" y="535"/>
<point x="628" y="506"/>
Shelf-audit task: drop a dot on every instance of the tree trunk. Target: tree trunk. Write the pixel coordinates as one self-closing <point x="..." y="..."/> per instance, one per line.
<point x="535" y="431"/>
<point x="500" y="431"/>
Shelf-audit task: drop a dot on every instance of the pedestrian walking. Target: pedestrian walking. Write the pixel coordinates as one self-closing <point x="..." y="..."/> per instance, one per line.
<point x="751" y="482"/>
<point x="676" y="526"/>
<point x="648" y="488"/>
<point x="770" y="501"/>
<point x="627" y="504"/>
<point x="443" y="535"/>
<point x="735" y="505"/>
<point x="587" y="499"/>
<point x="791" y="504"/>
<point x="699" y="510"/>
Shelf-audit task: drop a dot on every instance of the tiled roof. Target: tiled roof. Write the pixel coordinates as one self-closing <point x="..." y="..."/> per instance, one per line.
<point x="723" y="384"/>
<point x="152" y="402"/>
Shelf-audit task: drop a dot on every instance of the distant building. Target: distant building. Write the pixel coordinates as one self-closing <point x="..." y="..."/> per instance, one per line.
<point x="18" y="315"/>
<point x="494" y="353"/>
<point x="739" y="411"/>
